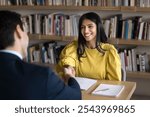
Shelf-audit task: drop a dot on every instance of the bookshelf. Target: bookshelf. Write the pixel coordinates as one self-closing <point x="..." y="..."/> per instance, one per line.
<point x="78" y="8"/>
<point x="142" y="9"/>
<point x="38" y="38"/>
<point x="134" y="42"/>
<point x="41" y="38"/>
<point x="116" y="41"/>
<point x="60" y="8"/>
<point x="51" y="37"/>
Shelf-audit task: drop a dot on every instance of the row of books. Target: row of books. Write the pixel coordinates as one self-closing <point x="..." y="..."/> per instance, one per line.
<point x="139" y="3"/>
<point x="67" y="25"/>
<point x="134" y="61"/>
<point x="44" y="53"/>
<point x="52" y="24"/>
<point x="128" y="28"/>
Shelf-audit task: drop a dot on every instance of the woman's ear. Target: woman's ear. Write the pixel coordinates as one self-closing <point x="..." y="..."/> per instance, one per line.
<point x="18" y="31"/>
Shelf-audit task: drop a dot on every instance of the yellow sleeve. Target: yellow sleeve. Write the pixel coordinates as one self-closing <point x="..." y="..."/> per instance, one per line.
<point x="113" y="71"/>
<point x="68" y="56"/>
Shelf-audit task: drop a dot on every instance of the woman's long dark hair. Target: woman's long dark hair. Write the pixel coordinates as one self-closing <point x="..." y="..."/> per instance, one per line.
<point x="100" y="37"/>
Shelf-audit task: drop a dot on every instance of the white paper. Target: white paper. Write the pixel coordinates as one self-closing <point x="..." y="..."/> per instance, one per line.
<point x="85" y="83"/>
<point x="108" y="90"/>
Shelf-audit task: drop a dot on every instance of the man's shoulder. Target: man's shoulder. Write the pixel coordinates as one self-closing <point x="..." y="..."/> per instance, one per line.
<point x="31" y="68"/>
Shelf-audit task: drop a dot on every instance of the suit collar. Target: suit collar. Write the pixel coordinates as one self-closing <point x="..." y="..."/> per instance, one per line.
<point x="7" y="56"/>
<point x="12" y="52"/>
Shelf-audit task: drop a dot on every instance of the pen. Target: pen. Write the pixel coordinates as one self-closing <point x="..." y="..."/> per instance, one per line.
<point x="102" y="90"/>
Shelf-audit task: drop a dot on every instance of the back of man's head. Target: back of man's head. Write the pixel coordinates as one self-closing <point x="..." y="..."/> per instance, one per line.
<point x="8" y="22"/>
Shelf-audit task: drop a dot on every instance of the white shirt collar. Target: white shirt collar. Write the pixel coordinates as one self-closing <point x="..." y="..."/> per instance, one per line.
<point x="12" y="52"/>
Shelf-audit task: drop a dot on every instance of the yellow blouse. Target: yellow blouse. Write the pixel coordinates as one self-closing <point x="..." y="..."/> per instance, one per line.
<point x="95" y="65"/>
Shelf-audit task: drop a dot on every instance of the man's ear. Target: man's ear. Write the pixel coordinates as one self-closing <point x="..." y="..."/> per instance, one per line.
<point x="18" y="31"/>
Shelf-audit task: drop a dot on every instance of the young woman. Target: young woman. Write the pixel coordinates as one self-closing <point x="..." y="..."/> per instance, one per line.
<point x="91" y="56"/>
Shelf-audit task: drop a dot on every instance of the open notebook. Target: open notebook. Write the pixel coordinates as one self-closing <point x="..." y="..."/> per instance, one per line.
<point x="108" y="90"/>
<point x="85" y="83"/>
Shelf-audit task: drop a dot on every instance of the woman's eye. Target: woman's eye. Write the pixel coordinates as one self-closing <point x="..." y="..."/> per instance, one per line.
<point x="82" y="27"/>
<point x="90" y="26"/>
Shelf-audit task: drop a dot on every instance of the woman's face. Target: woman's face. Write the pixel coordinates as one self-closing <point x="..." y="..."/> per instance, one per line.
<point x="88" y="30"/>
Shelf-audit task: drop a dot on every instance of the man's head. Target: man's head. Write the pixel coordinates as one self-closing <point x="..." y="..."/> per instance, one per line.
<point x="12" y="35"/>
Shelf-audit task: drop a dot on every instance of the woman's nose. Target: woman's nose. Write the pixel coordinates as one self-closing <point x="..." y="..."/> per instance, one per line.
<point x="86" y="30"/>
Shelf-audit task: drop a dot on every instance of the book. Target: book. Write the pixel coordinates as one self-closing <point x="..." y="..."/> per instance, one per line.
<point x="85" y="83"/>
<point x="108" y="90"/>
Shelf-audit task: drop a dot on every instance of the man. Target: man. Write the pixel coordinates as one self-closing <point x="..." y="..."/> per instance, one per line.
<point x="22" y="80"/>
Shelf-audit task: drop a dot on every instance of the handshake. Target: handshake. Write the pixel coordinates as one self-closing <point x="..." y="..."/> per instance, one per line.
<point x="69" y="72"/>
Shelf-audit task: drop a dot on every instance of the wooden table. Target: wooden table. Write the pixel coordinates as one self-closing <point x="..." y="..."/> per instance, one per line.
<point x="125" y="94"/>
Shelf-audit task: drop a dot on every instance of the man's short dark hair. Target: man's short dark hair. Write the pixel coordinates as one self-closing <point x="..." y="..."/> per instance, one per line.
<point x="8" y="23"/>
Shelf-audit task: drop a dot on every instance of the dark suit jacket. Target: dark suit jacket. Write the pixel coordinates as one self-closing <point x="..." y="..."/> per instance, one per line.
<point x="24" y="81"/>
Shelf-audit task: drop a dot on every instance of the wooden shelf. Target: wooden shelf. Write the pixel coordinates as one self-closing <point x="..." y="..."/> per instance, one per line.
<point x="134" y="42"/>
<point x="61" y="8"/>
<point x="135" y="9"/>
<point x="76" y="8"/>
<point x="51" y="37"/>
<point x="71" y="38"/>
<point x="145" y="75"/>
<point x="143" y="9"/>
<point x="37" y="38"/>
<point x="128" y="9"/>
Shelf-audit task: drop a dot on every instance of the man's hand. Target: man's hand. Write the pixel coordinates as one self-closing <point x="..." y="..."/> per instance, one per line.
<point x="68" y="72"/>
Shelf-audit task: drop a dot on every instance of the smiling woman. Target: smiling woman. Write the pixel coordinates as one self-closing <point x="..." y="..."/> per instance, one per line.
<point x="91" y="56"/>
<point x="88" y="30"/>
